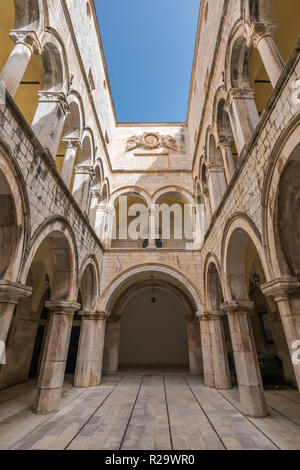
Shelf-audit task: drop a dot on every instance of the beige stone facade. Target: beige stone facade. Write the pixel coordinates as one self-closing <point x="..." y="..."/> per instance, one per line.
<point x="66" y="163"/>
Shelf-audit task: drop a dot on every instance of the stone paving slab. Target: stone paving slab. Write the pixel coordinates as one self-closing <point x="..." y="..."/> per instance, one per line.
<point x="235" y="431"/>
<point x="284" y="433"/>
<point x="149" y="427"/>
<point x="154" y="412"/>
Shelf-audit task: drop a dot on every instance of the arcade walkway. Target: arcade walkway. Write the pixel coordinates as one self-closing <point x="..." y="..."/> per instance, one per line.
<point x="132" y="411"/>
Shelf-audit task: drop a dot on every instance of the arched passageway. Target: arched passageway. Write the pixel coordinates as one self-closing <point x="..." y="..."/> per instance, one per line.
<point x="152" y="322"/>
<point x="153" y="330"/>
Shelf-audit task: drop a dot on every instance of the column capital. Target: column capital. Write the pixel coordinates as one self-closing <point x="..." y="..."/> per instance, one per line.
<point x="239" y="94"/>
<point x="27" y="38"/>
<point x="11" y="292"/>
<point x="237" y="306"/>
<point x="225" y="142"/>
<point x="281" y="288"/>
<point x="90" y="315"/>
<point x="259" y="31"/>
<point x="63" y="307"/>
<point x="55" y="97"/>
<point x="72" y="142"/>
<point x="84" y="170"/>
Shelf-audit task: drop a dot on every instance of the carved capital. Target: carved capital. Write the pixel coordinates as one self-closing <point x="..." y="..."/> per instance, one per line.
<point x="237" y="306"/>
<point x="84" y="170"/>
<point x="11" y="292"/>
<point x="259" y="31"/>
<point x="225" y="142"/>
<point x="239" y="94"/>
<point x="55" y="97"/>
<point x="281" y="288"/>
<point x="95" y="316"/>
<point x="27" y="38"/>
<point x="71" y="143"/>
<point x="63" y="307"/>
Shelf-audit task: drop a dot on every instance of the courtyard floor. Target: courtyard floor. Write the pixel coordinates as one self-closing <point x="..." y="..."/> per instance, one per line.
<point x="136" y="411"/>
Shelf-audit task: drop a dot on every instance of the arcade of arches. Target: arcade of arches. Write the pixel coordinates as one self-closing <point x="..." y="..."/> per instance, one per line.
<point x="203" y="318"/>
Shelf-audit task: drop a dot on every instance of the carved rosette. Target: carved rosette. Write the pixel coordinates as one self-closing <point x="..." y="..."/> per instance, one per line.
<point x="151" y="141"/>
<point x="27" y="38"/>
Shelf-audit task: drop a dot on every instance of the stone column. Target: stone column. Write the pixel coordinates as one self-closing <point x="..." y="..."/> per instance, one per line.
<point x="243" y="115"/>
<point x="205" y="333"/>
<point x="26" y="44"/>
<point x="207" y="206"/>
<point x="229" y="165"/>
<point x="108" y="227"/>
<point x="216" y="185"/>
<point x="194" y="345"/>
<point x="95" y="195"/>
<point x="245" y="357"/>
<point x="152" y="235"/>
<point x="10" y="293"/>
<point x="100" y="221"/>
<point x="112" y="345"/>
<point x="219" y="351"/>
<point x="72" y="146"/>
<point x="90" y="352"/>
<point x="49" y="119"/>
<point x="262" y="36"/>
<point x="82" y="184"/>
<point x="286" y="293"/>
<point x="52" y="372"/>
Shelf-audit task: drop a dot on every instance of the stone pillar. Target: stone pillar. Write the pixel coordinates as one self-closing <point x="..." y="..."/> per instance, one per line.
<point x="82" y="184"/>
<point x="10" y="293"/>
<point x="286" y="293"/>
<point x="52" y="372"/>
<point x="95" y="195"/>
<point x="26" y="44"/>
<point x="194" y="344"/>
<point x="49" y="119"/>
<point x="112" y="345"/>
<point x="245" y="357"/>
<point x="100" y="221"/>
<point x="262" y="36"/>
<point x="72" y="146"/>
<point x="243" y="115"/>
<point x="108" y="227"/>
<point x="205" y="333"/>
<point x="90" y="352"/>
<point x="207" y="205"/>
<point x="152" y="235"/>
<point x="229" y="165"/>
<point x="219" y="352"/>
<point x="216" y="185"/>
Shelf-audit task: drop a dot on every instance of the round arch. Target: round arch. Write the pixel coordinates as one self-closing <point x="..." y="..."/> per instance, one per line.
<point x="15" y="220"/>
<point x="152" y="272"/>
<point x="283" y="153"/>
<point x="132" y="191"/>
<point x="162" y="192"/>
<point x="55" y="64"/>
<point x="240" y="229"/>
<point x="64" y="257"/>
<point x="88" y="282"/>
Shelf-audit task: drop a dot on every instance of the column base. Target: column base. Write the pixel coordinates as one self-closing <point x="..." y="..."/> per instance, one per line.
<point x="253" y="401"/>
<point x="47" y="401"/>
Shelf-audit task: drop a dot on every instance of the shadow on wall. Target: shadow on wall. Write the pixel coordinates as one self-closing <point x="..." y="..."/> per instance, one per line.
<point x="153" y="330"/>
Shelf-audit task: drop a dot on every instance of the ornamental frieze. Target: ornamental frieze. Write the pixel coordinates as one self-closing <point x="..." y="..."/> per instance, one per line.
<point x="151" y="141"/>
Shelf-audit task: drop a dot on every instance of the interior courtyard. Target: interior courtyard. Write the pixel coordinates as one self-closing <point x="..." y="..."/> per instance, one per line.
<point x="186" y="336"/>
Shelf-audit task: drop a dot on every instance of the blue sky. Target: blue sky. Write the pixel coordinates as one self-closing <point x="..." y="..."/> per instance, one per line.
<point x="149" y="48"/>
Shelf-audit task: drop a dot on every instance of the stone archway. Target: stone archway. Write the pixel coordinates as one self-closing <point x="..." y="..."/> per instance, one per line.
<point x="130" y="292"/>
